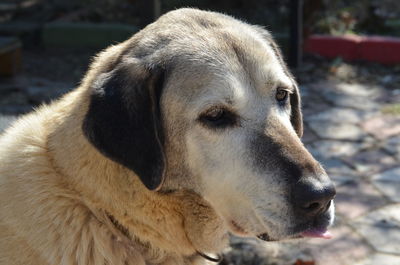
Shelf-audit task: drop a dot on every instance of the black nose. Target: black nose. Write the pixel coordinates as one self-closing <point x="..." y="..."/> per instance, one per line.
<point x="313" y="197"/>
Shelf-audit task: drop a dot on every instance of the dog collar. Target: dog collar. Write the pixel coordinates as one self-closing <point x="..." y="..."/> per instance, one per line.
<point x="212" y="259"/>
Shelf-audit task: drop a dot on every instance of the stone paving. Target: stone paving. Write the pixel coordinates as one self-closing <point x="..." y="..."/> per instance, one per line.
<point x="346" y="130"/>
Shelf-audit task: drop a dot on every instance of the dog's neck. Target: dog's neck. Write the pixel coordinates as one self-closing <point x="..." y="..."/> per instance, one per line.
<point x="175" y="223"/>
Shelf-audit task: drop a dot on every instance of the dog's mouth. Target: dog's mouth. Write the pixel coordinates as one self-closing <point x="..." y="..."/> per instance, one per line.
<point x="317" y="228"/>
<point x="310" y="233"/>
<point x="317" y="233"/>
<point x="264" y="237"/>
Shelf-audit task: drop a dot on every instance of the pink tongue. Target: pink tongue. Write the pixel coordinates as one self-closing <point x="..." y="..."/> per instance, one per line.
<point x="319" y="233"/>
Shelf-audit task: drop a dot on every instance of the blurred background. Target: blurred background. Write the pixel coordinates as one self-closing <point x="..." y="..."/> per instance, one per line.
<point x="345" y="55"/>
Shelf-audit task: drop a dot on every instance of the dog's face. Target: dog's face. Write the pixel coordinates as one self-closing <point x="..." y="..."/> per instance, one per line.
<point x="203" y="102"/>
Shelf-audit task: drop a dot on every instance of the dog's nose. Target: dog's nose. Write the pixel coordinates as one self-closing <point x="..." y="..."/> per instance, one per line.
<point x="313" y="197"/>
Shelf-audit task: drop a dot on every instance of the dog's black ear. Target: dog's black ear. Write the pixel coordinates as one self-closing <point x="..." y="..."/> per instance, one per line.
<point x="123" y="121"/>
<point x="296" y="117"/>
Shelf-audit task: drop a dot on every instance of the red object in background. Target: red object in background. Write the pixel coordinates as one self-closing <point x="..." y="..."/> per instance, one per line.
<point x="351" y="47"/>
<point x="380" y="49"/>
<point x="301" y="262"/>
<point x="333" y="46"/>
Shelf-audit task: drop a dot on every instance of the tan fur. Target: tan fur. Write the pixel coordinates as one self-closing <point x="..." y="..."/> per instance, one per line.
<point x="56" y="188"/>
<point x="63" y="202"/>
<point x="55" y="191"/>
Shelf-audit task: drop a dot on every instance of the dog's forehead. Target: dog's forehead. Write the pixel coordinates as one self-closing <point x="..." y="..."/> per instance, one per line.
<point x="246" y="68"/>
<point x="214" y="59"/>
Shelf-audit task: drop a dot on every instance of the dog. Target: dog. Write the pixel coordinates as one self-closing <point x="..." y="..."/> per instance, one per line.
<point x="186" y="132"/>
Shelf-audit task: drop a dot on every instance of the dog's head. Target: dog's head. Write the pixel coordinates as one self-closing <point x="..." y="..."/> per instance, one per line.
<point x="201" y="101"/>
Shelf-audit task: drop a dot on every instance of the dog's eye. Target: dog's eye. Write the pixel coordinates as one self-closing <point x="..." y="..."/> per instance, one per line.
<point x="281" y="95"/>
<point x="218" y="118"/>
